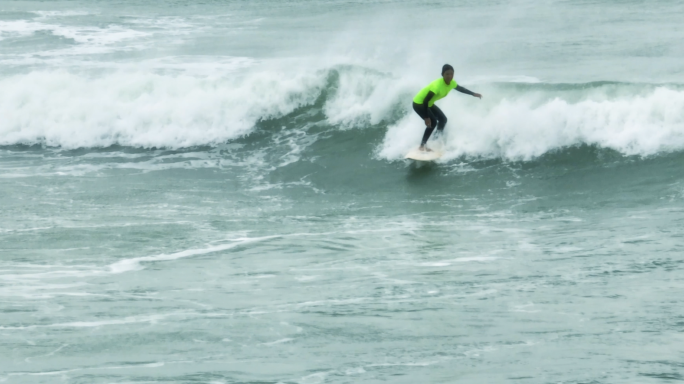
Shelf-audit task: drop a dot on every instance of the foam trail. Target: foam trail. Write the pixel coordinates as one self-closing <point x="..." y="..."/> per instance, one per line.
<point x="135" y="263"/>
<point x="32" y="285"/>
<point x="92" y="324"/>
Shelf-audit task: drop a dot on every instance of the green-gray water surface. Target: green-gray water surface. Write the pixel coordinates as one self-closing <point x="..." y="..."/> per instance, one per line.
<point x="216" y="193"/>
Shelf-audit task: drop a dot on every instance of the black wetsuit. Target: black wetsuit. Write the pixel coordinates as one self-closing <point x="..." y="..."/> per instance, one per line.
<point x="437" y="117"/>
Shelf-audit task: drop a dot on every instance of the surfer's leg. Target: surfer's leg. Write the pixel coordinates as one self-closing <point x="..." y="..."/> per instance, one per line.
<point x="428" y="130"/>
<point x="441" y="118"/>
<point x="433" y="122"/>
<point x="426" y="136"/>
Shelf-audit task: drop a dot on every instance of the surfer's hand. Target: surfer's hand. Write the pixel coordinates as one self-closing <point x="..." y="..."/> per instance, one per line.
<point x="477" y="95"/>
<point x="427" y="122"/>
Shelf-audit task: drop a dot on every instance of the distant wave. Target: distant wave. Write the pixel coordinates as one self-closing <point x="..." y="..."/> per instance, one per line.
<point x="147" y="109"/>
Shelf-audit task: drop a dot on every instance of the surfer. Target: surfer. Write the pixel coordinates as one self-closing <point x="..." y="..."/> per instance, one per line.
<point x="424" y="102"/>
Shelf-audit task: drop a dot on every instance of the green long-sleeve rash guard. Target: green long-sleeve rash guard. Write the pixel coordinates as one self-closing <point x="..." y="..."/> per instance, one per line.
<point x="436" y="90"/>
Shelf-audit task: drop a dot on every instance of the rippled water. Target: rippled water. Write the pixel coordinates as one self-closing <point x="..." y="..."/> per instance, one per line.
<point x="216" y="193"/>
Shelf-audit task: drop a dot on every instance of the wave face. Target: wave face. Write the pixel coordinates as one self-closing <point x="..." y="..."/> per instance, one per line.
<point x="153" y="109"/>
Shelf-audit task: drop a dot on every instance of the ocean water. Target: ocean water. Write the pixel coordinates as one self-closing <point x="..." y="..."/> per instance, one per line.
<point x="215" y="192"/>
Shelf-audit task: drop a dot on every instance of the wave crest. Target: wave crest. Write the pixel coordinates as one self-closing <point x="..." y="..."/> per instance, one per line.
<point x="517" y="121"/>
<point x="526" y="125"/>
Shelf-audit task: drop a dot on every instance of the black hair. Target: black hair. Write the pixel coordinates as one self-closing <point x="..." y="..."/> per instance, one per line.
<point x="446" y="67"/>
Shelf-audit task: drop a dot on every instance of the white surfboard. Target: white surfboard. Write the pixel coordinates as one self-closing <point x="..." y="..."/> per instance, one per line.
<point x="417" y="154"/>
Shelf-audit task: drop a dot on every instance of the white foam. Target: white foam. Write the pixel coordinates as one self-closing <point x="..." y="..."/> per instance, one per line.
<point x="20" y="28"/>
<point x="435" y="264"/>
<point x="475" y="258"/>
<point x="88" y="39"/>
<point x="62" y="372"/>
<point x="127" y="320"/>
<point x="91" y="324"/>
<point x="144" y="109"/>
<point x="285" y="340"/>
<point x="446" y="263"/>
<point x="304" y="278"/>
<point x="135" y="263"/>
<point x="97" y="36"/>
<point x="49" y="14"/>
<point x="407" y="364"/>
<point x="363" y="97"/>
<point x="315" y="378"/>
<point x="522" y="127"/>
<point x="212" y="101"/>
<point x="40" y="282"/>
<point x="354" y="371"/>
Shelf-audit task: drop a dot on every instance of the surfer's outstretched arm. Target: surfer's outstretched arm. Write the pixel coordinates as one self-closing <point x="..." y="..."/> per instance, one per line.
<point x="467" y="91"/>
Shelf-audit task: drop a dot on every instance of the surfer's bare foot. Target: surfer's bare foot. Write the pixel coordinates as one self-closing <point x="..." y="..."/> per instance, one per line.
<point x="425" y="149"/>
